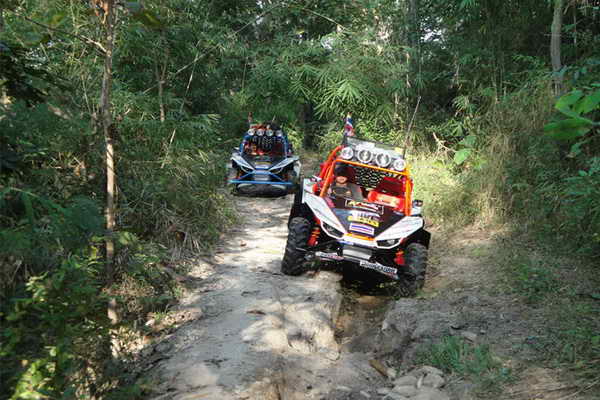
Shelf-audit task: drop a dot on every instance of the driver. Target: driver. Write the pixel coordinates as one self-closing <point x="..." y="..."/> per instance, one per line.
<point x="342" y="187"/>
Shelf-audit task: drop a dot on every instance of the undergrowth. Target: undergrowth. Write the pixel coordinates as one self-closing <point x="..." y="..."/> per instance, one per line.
<point x="56" y="337"/>
<point x="457" y="357"/>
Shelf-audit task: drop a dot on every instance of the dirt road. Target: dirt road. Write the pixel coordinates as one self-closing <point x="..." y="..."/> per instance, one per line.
<point x="260" y="334"/>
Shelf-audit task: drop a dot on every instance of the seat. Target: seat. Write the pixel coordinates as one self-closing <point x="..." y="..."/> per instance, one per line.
<point x="389" y="191"/>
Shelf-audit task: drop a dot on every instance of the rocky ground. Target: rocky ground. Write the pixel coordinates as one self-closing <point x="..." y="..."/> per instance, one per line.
<point x="253" y="333"/>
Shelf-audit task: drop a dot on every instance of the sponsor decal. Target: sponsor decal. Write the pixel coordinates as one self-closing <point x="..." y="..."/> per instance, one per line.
<point x="389" y="271"/>
<point x="329" y="256"/>
<point x="362" y="205"/>
<point x="361" y="228"/>
<point x="365" y="214"/>
<point x="364" y="218"/>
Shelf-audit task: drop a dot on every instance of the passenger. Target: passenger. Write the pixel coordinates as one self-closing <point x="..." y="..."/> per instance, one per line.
<point x="342" y="186"/>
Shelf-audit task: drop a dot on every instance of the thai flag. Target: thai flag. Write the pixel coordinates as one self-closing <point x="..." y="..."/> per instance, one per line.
<point x="349" y="126"/>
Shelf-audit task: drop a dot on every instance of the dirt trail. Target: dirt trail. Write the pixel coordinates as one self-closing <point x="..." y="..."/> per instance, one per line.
<point x="260" y="334"/>
<point x="257" y="334"/>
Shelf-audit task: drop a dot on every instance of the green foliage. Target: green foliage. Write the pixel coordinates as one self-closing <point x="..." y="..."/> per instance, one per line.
<point x="575" y="105"/>
<point x="21" y="75"/>
<point x="52" y="331"/>
<point x="476" y="362"/>
<point x="41" y="232"/>
<point x="532" y="280"/>
<point x="175" y="199"/>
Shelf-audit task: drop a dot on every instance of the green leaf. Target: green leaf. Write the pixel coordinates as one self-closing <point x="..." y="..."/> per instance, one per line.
<point x="26" y="198"/>
<point x="589" y="103"/>
<point x="461" y="156"/>
<point x="568" y="129"/>
<point x="57" y="19"/>
<point x="149" y="19"/>
<point x="568" y="100"/>
<point x="469" y="141"/>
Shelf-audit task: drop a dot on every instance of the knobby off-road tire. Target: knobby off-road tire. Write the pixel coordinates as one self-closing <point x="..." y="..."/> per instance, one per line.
<point x="413" y="279"/>
<point x="293" y="260"/>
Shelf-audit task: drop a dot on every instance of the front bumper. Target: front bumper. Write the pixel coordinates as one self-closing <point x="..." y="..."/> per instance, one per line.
<point x="260" y="177"/>
<point x="357" y="255"/>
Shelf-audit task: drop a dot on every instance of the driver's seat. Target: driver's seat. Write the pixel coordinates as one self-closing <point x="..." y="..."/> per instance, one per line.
<point x="389" y="191"/>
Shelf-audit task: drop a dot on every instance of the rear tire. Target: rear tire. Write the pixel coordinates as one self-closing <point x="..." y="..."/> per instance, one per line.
<point x="293" y="262"/>
<point x="413" y="278"/>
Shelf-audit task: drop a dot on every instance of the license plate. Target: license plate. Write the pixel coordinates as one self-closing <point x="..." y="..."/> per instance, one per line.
<point x="393" y="272"/>
<point x="328" y="256"/>
<point x="261" y="177"/>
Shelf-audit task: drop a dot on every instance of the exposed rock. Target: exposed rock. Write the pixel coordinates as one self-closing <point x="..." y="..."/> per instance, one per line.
<point x="395" y="396"/>
<point x="407" y="380"/>
<point x="470" y="336"/>
<point x="365" y="394"/>
<point x="391" y="373"/>
<point x="406" y="391"/>
<point x="426" y="369"/>
<point x="383" y="391"/>
<point x="427" y="393"/>
<point x="433" y="380"/>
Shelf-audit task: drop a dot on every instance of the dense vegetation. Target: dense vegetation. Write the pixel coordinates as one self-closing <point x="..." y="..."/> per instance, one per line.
<point x="506" y="125"/>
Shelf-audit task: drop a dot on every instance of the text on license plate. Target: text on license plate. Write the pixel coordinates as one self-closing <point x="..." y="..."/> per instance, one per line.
<point x="380" y="268"/>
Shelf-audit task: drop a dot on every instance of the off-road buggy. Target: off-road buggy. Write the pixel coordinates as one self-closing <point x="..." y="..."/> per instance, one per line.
<point x="264" y="160"/>
<point x="377" y="227"/>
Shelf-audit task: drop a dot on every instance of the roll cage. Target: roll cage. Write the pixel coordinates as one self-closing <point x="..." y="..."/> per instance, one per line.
<point x="376" y="192"/>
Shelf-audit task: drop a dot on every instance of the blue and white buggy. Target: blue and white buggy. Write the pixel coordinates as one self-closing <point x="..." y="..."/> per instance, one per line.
<point x="264" y="162"/>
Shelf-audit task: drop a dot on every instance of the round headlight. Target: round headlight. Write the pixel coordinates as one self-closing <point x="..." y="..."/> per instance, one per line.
<point x="365" y="156"/>
<point x="383" y="160"/>
<point x="251" y="131"/>
<point x="399" y="164"/>
<point x="269" y="132"/>
<point x="347" y="153"/>
<point x="279" y="133"/>
<point x="260" y="132"/>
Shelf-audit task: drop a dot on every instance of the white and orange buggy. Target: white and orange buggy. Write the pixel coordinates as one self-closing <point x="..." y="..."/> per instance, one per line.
<point x="359" y="212"/>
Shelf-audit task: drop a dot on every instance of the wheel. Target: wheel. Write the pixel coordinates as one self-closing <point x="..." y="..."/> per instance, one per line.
<point x="413" y="278"/>
<point x="290" y="176"/>
<point x="295" y="211"/>
<point x="293" y="260"/>
<point x="232" y="173"/>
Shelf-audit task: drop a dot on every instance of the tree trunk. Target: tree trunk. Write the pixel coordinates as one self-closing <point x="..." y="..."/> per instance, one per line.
<point x="106" y="121"/>
<point x="555" y="46"/>
<point x="161" y="73"/>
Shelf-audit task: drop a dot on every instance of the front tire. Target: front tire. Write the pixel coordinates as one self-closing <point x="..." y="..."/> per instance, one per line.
<point x="293" y="262"/>
<point x="413" y="278"/>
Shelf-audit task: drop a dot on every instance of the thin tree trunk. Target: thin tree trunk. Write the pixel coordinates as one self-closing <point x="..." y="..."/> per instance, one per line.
<point x="555" y="46"/>
<point x="107" y="130"/>
<point x="161" y="73"/>
<point x="160" y="80"/>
